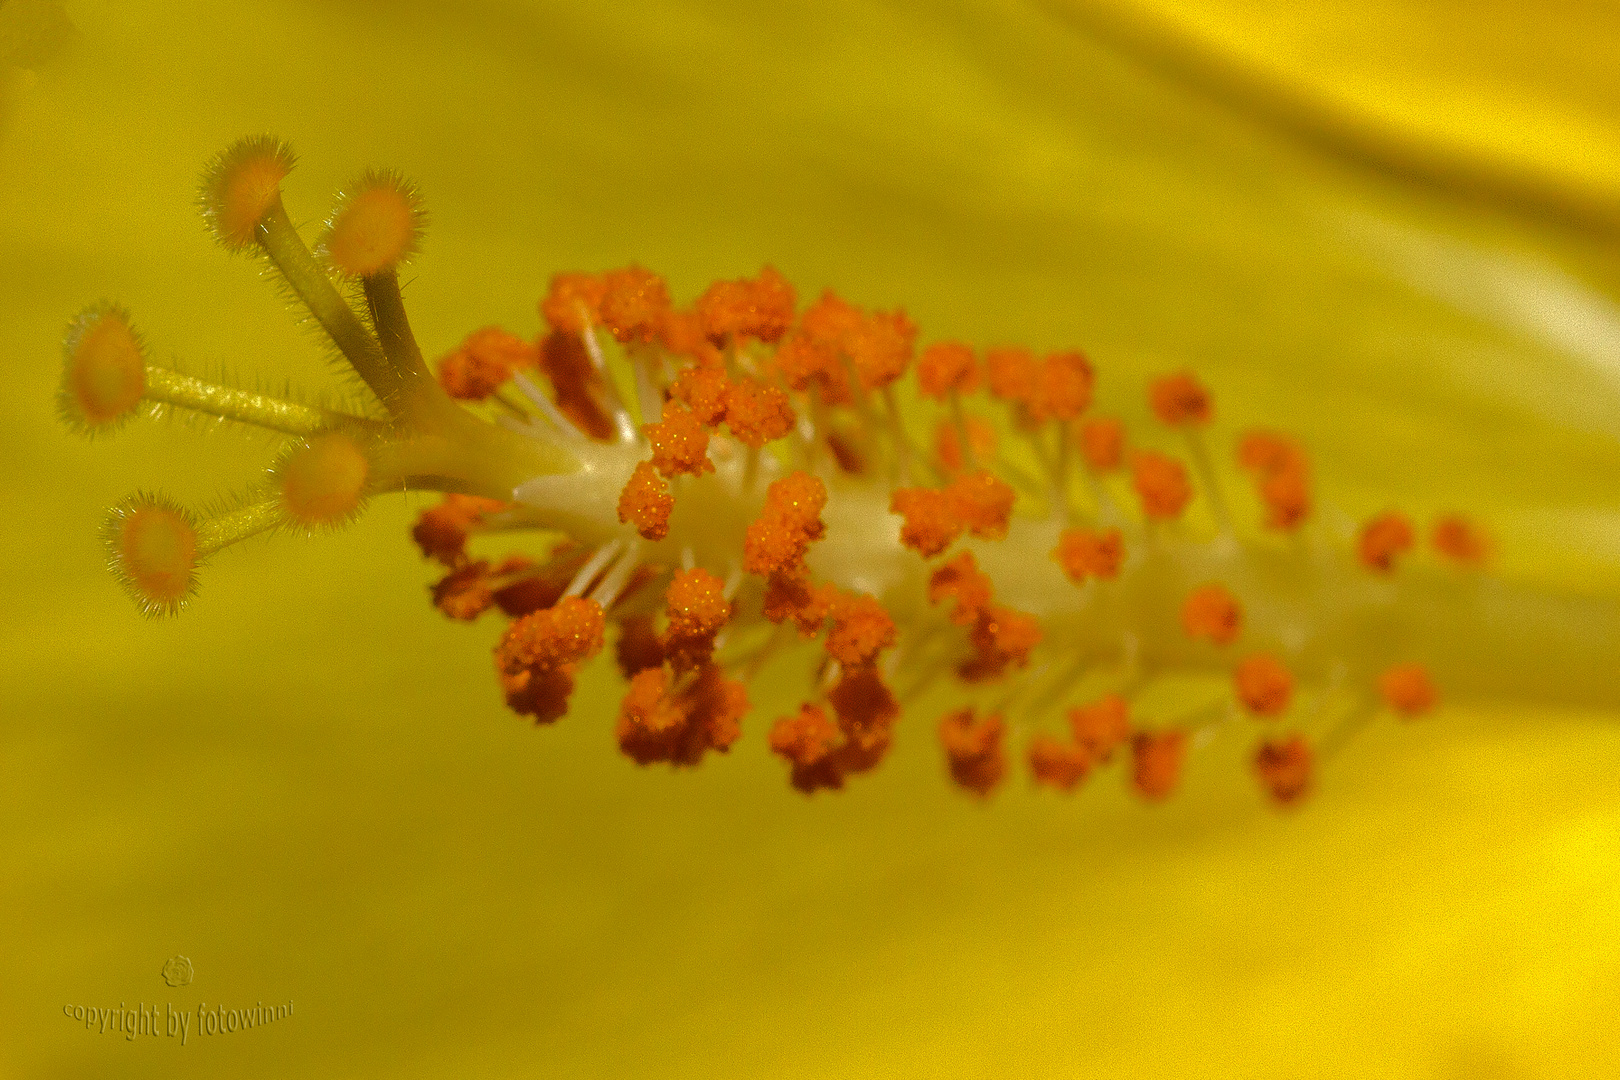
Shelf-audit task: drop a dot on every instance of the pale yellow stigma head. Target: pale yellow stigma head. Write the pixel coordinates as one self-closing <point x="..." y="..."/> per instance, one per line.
<point x="104" y="369"/>
<point x="153" y="551"/>
<point x="323" y="480"/>
<point x="375" y="227"/>
<point x="242" y="186"/>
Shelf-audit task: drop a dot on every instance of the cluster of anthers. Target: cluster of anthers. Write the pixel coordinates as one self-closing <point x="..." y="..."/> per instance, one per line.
<point x="741" y="483"/>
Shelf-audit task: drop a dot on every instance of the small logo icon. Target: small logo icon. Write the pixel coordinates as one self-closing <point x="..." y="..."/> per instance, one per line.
<point x="177" y="971"/>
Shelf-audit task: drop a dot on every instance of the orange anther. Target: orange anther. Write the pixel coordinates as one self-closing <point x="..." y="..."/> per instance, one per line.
<point x="1156" y="762"/>
<point x="1000" y="636"/>
<point x="757" y="413"/>
<point x="681" y="332"/>
<point x="1284" y="768"/>
<point x="961" y="579"/>
<point x="703" y="389"/>
<point x="791" y="596"/>
<point x="1180" y="399"/>
<point x="1382" y="540"/>
<point x="880" y="347"/>
<point x="1407" y="689"/>
<point x="1266" y="452"/>
<point x="441" y="531"/>
<point x="1214" y="613"/>
<point x="482" y="362"/>
<point x="809" y="741"/>
<point x="573" y="304"/>
<point x="947" y="367"/>
<point x="635" y="303"/>
<point x="1101" y="727"/>
<point x="1057" y="764"/>
<point x="948" y="442"/>
<point x="645" y="502"/>
<point x="697" y="608"/>
<point x="680" y="444"/>
<point x="1161" y="483"/>
<point x="830" y="319"/>
<point x="1283" y="475"/>
<point x="759" y="308"/>
<point x="981" y="503"/>
<point x="568" y="366"/>
<point x="539" y="653"/>
<point x="789" y="523"/>
<point x="1287" y="495"/>
<point x="1460" y="540"/>
<point x="1102" y="441"/>
<point x="679" y="727"/>
<point x="464" y="593"/>
<point x="866" y="712"/>
<point x="639" y="646"/>
<point x="1086" y="553"/>
<point x="931" y="523"/>
<point x="974" y="750"/>
<point x="1263" y="685"/>
<point x="1013" y="374"/>
<point x="1063" y="389"/>
<point x="861" y="628"/>
<point x="806" y="363"/>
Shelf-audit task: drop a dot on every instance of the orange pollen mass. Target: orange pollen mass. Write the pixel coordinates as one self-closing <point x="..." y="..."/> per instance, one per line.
<point x="1263" y="685"/>
<point x="680" y="444"/>
<point x="1086" y="553"/>
<point x="1102" y="441"/>
<point x="1212" y="612"/>
<point x="1382" y="540"/>
<point x="1063" y="389"/>
<point x="948" y="443"/>
<point x="861" y="628"/>
<point x="441" y="531"/>
<point x="1460" y="540"/>
<point x="787" y="525"/>
<point x="947" y="367"/>
<point x="1056" y="764"/>
<point x="634" y="304"/>
<point x="1161" y="483"/>
<point x="1101" y="727"/>
<point x="1013" y="374"/>
<point x="761" y="308"/>
<point x="757" y="413"/>
<point x="573" y="304"/>
<point x="974" y="751"/>
<point x="1407" y="689"/>
<point x="646" y="503"/>
<point x="961" y="579"/>
<point x="482" y="362"/>
<point x="982" y="503"/>
<point x="1284" y="768"/>
<point x="704" y="390"/>
<point x="1180" y="400"/>
<point x="930" y="522"/>
<point x="1157" y="757"/>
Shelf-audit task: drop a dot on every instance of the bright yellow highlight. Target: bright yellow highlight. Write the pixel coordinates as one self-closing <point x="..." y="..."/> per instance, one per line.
<point x="323" y="482"/>
<point x="153" y="548"/>
<point x="243" y="186"/>
<point x="373" y="230"/>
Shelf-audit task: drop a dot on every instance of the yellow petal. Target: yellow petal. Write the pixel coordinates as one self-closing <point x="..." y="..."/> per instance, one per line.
<point x="310" y="788"/>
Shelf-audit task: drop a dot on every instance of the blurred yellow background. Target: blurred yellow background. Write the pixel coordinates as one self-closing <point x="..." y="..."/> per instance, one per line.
<point x="1390" y="226"/>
